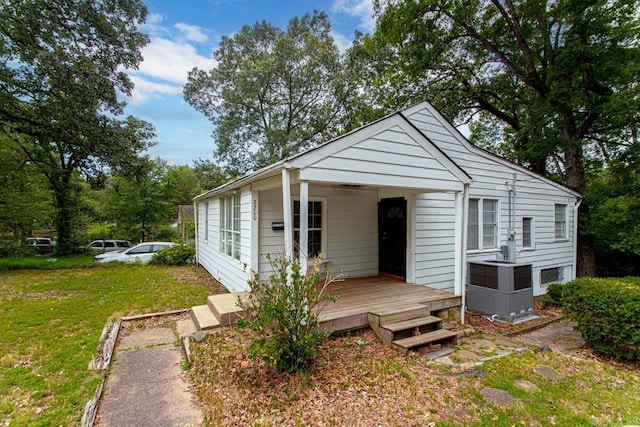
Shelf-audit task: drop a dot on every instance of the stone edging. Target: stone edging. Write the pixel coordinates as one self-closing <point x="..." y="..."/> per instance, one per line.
<point x="534" y="327"/>
<point x="102" y="360"/>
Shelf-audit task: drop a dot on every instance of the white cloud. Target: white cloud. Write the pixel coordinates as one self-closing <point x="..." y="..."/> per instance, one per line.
<point x="192" y="32"/>
<point x="164" y="68"/>
<point x="171" y="61"/>
<point x="146" y="90"/>
<point x="362" y="9"/>
<point x="153" y="25"/>
<point x="342" y="42"/>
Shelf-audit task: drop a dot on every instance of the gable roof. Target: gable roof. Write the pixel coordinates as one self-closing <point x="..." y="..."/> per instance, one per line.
<point x="400" y="119"/>
<point x="481" y="151"/>
<point x="316" y="155"/>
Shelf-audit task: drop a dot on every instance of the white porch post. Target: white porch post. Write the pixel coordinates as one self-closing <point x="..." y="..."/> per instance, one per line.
<point x="286" y="209"/>
<point x="304" y="224"/>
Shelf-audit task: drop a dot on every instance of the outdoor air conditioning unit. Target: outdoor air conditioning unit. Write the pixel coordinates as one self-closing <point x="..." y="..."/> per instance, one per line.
<point x="500" y="289"/>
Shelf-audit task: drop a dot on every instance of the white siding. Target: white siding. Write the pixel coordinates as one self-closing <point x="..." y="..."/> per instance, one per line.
<point x="535" y="197"/>
<point x="391" y="158"/>
<point x="228" y="271"/>
<point x="352" y="229"/>
<point x="434" y="245"/>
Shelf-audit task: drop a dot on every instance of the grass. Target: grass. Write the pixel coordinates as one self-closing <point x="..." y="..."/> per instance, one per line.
<point x="46" y="262"/>
<point x="362" y="385"/>
<point x="50" y="324"/>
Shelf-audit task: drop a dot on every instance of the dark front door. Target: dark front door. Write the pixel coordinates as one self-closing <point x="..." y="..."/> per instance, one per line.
<point x="392" y="237"/>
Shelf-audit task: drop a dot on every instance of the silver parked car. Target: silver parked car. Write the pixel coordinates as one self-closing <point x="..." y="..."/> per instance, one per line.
<point x="141" y="252"/>
<point x="108" y="245"/>
<point x="40" y="245"/>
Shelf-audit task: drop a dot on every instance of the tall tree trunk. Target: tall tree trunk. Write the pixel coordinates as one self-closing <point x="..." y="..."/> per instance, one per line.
<point x="574" y="169"/>
<point x="65" y="195"/>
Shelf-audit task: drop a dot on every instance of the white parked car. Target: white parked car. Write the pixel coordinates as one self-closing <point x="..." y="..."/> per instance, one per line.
<point x="141" y="252"/>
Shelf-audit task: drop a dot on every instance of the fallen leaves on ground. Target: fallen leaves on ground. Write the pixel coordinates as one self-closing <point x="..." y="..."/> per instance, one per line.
<point x="355" y="381"/>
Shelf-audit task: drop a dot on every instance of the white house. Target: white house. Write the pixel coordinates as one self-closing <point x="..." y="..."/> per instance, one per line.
<point x="406" y="196"/>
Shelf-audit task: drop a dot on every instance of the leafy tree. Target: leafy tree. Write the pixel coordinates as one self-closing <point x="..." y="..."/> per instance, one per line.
<point x="137" y="200"/>
<point x="558" y="75"/>
<point x="25" y="200"/>
<point x="273" y="93"/>
<point x="557" y="81"/>
<point x="612" y="221"/>
<point x="209" y="174"/>
<point x="61" y="68"/>
<point x="181" y="185"/>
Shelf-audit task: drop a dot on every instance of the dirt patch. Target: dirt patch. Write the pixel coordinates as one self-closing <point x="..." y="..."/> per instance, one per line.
<point x="198" y="275"/>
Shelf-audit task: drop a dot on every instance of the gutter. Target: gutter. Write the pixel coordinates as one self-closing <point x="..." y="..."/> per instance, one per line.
<point x="575" y="238"/>
<point x="237" y="183"/>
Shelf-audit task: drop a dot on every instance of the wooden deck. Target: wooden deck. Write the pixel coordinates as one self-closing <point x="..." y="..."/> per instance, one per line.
<point x="361" y="296"/>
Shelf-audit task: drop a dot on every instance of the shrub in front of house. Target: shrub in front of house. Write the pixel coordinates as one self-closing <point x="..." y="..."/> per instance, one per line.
<point x="175" y="255"/>
<point x="553" y="297"/>
<point x="607" y="312"/>
<point x="283" y="310"/>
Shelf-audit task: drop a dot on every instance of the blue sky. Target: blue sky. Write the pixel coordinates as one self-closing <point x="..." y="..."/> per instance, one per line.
<point x="184" y="34"/>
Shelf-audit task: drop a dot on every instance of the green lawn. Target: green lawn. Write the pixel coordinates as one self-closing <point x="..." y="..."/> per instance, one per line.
<point x="51" y="320"/>
<point x="50" y="323"/>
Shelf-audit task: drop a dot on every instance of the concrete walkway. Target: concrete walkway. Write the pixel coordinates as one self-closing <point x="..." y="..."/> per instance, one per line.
<point x="146" y="384"/>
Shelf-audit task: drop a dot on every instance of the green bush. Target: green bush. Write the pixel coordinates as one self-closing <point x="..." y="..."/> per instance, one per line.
<point x="553" y="296"/>
<point x="14" y="248"/>
<point x="607" y="312"/>
<point x="283" y="309"/>
<point x="175" y="255"/>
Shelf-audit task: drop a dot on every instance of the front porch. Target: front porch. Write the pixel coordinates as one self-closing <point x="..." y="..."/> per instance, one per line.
<point x="361" y="296"/>
<point x="359" y="299"/>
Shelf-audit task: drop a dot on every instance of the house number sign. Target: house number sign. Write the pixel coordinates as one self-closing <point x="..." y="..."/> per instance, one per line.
<point x="255" y="209"/>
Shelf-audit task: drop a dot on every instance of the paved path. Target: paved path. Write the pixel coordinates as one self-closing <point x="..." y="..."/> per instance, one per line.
<point x="146" y="385"/>
<point x="559" y="336"/>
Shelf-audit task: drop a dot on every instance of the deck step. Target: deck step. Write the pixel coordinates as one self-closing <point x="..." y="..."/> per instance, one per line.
<point x="439" y="336"/>
<point x="411" y="323"/>
<point x="223" y="306"/>
<point x="399" y="313"/>
<point x="204" y="318"/>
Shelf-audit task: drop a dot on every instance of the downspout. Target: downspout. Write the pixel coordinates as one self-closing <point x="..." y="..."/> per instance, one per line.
<point x="575" y="238"/>
<point x="196" y="220"/>
<point x="465" y="226"/>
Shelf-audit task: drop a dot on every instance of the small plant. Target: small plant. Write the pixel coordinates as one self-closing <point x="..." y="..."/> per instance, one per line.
<point x="174" y="255"/>
<point x="284" y="310"/>
<point x="555" y="290"/>
<point x="607" y="312"/>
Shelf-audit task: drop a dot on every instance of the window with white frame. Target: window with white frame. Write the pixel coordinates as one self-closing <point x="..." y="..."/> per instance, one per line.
<point x="561" y="221"/>
<point x="482" y="230"/>
<point x="314" y="240"/>
<point x="230" y="226"/>
<point x="527" y="232"/>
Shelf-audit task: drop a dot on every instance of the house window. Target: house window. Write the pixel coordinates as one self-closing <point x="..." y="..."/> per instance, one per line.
<point x="551" y="275"/>
<point x="230" y="226"/>
<point x="482" y="232"/>
<point x="527" y="232"/>
<point x="314" y="244"/>
<point x="561" y="221"/>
